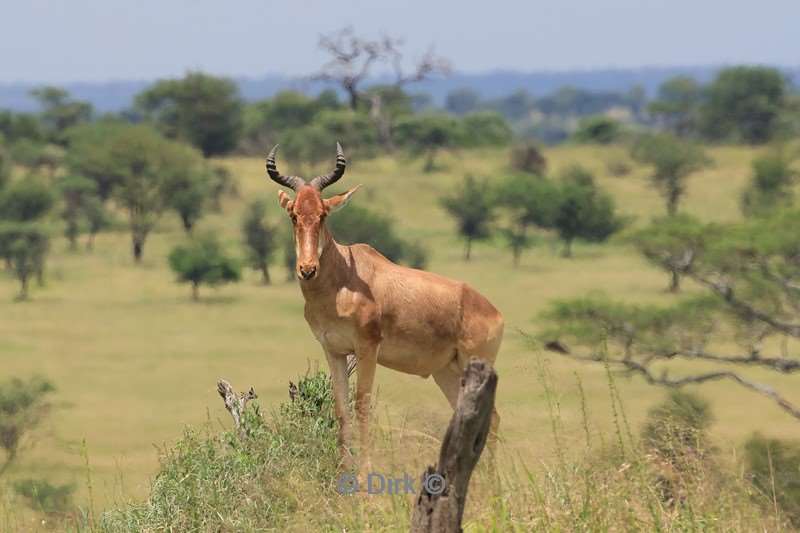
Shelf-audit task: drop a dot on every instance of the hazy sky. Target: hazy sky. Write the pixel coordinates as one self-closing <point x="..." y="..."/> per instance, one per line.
<point x="91" y="40"/>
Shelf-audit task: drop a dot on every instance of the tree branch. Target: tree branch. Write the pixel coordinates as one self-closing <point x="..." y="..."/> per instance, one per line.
<point x="747" y="310"/>
<point x="663" y="379"/>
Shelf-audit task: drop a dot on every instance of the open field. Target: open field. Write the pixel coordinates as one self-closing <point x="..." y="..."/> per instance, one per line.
<point x="135" y="360"/>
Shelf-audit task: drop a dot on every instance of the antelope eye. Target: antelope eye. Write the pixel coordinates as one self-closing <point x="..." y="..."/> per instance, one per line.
<point x="294" y="218"/>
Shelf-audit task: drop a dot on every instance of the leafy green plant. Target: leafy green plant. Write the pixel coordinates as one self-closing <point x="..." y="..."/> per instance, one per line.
<point x="598" y="129"/>
<point x="527" y="157"/>
<point x="473" y="208"/>
<point x="23" y="406"/>
<point x="358" y="224"/>
<point x="251" y="480"/>
<point x="679" y="426"/>
<point x="673" y="244"/>
<point x="260" y="238"/>
<point x="43" y="496"/>
<point x="672" y="161"/>
<point x="203" y="261"/>
<point x="771" y="185"/>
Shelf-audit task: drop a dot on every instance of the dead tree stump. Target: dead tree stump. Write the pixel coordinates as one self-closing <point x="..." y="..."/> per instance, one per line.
<point x="440" y="504"/>
<point x="235" y="403"/>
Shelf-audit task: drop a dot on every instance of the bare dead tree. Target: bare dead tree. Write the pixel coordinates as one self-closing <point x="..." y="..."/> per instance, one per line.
<point x="440" y="504"/>
<point x="352" y="59"/>
<point x="235" y="402"/>
<point x="429" y="65"/>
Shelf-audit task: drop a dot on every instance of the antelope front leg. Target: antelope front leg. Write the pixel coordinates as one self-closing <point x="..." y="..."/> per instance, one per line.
<point x="365" y="370"/>
<point x="338" y="368"/>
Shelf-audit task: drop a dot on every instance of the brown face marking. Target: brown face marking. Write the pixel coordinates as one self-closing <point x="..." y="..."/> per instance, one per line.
<point x="308" y="214"/>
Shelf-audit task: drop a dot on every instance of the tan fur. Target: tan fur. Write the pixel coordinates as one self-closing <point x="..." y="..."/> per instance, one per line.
<point x="358" y="302"/>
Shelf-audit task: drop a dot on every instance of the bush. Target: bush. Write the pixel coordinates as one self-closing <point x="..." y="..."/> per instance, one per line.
<point x="23" y="406"/>
<point x="42" y="496"/>
<point x="583" y="210"/>
<point x="770" y="186"/>
<point x="598" y="129"/>
<point x="203" y="262"/>
<point x="774" y="467"/>
<point x="260" y="238"/>
<point x="618" y="167"/>
<point x="357" y="224"/>
<point x="472" y="207"/>
<point x="672" y="161"/>
<point x="678" y="426"/>
<point x="226" y="482"/>
<point x="24" y="246"/>
<point x="26" y="200"/>
<point x="526" y="157"/>
<point x="485" y="128"/>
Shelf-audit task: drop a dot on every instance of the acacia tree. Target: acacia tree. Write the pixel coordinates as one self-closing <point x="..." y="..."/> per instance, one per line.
<point x="203" y="261"/>
<point x="673" y="244"/>
<point x="5" y="165"/>
<point x="472" y="206"/>
<point x="527" y="201"/>
<point x="23" y="406"/>
<point x="97" y="218"/>
<point x="60" y="112"/>
<point x="76" y="192"/>
<point x="136" y="167"/>
<point x="359" y="224"/>
<point x="678" y="104"/>
<point x="203" y="110"/>
<point x="582" y="210"/>
<point x="750" y="273"/>
<point x="24" y="238"/>
<point x="24" y="245"/>
<point x="673" y="161"/>
<point x="260" y="238"/>
<point x="188" y="188"/>
<point x="428" y="134"/>
<point x="744" y="103"/>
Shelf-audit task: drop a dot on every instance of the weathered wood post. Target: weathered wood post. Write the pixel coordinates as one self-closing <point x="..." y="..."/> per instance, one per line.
<point x="440" y="504"/>
<point x="235" y="403"/>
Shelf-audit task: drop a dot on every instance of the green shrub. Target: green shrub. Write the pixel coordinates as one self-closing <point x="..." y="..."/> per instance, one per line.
<point x="23" y="406"/>
<point x="41" y="495"/>
<point x="678" y="426"/>
<point x="203" y="261"/>
<point x="256" y="482"/>
<point x="527" y="157"/>
<point x="598" y="129"/>
<point x="357" y="224"/>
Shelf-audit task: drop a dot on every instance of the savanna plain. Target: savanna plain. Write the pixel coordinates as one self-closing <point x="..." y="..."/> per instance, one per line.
<point x="135" y="360"/>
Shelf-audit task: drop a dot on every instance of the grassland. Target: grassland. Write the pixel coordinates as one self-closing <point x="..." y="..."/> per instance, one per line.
<point x="135" y="360"/>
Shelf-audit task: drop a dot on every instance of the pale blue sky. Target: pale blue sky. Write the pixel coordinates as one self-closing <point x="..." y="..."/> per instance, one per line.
<point x="95" y="40"/>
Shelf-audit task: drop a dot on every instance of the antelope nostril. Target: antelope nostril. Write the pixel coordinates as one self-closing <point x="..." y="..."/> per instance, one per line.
<point x="308" y="272"/>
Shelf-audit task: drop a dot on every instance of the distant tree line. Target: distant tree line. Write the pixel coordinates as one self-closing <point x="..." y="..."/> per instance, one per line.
<point x="746" y="104"/>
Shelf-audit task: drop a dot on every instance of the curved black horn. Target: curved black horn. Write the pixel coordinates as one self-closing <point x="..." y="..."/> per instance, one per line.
<point x="320" y="182"/>
<point x="293" y="182"/>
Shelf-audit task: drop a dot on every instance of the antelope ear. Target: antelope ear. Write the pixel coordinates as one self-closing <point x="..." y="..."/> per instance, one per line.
<point x="285" y="201"/>
<point x="334" y="203"/>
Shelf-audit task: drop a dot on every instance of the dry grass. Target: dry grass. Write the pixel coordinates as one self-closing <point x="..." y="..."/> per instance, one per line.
<point x="135" y="360"/>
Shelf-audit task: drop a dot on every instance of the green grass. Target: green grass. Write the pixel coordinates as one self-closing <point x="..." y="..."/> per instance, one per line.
<point x="136" y="361"/>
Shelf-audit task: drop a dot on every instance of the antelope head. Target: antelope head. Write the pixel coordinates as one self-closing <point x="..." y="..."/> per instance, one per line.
<point x="308" y="209"/>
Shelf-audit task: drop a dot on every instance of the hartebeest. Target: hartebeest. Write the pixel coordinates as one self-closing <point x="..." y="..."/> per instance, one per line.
<point x="358" y="302"/>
